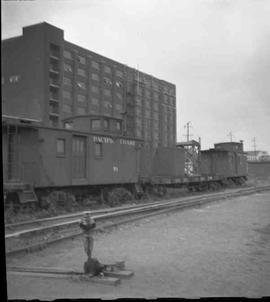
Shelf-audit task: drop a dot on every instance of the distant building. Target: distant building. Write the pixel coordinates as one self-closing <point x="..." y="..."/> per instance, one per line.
<point x="48" y="79"/>
<point x="257" y="155"/>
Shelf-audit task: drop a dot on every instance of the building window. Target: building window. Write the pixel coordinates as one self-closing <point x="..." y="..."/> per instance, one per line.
<point x="67" y="54"/>
<point x="155" y="136"/>
<point x="66" y="108"/>
<point x="66" y="94"/>
<point x="147" y="93"/>
<point x="53" y="121"/>
<point x="119" y="73"/>
<point x="81" y="110"/>
<point x="68" y="125"/>
<point x="81" y="85"/>
<point x="67" y="68"/>
<point x="54" y="107"/>
<point x="138" y="101"/>
<point x="155" y="125"/>
<point x="81" y="98"/>
<point x="147" y="103"/>
<point x="54" y="66"/>
<point x="138" y="122"/>
<point x="155" y="116"/>
<point x="107" y="92"/>
<point x="67" y="81"/>
<point x="119" y="96"/>
<point x="95" y="77"/>
<point x="155" y="96"/>
<point x="94" y="89"/>
<point x="60" y="146"/>
<point x="138" y="133"/>
<point x="107" y="81"/>
<point x="14" y="79"/>
<point x="118" y="84"/>
<point x="107" y="69"/>
<point x="172" y="91"/>
<point x="139" y="90"/>
<point x="95" y="64"/>
<point x="155" y="85"/>
<point x="138" y="111"/>
<point x="118" y="107"/>
<point x="82" y="60"/>
<point x="98" y="150"/>
<point x="95" y="124"/>
<point x="172" y="101"/>
<point x="107" y="105"/>
<point x="81" y="72"/>
<point x="55" y="50"/>
<point x="94" y="101"/>
<point x="147" y="83"/>
<point x="155" y="106"/>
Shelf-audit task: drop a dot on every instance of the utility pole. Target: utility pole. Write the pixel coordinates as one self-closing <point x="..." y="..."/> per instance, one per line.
<point x="138" y="79"/>
<point x="254" y="147"/>
<point x="230" y="136"/>
<point x="188" y="126"/>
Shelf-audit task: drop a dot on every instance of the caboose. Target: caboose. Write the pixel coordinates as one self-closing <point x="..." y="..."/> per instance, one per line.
<point x="226" y="160"/>
<point x="38" y="157"/>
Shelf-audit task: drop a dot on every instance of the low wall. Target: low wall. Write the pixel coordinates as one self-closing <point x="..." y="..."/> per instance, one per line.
<point x="259" y="170"/>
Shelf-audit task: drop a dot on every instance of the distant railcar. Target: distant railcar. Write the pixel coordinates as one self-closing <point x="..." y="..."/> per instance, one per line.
<point x="226" y="159"/>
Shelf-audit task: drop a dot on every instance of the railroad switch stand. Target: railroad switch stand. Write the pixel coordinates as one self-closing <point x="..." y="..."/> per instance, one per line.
<point x="92" y="266"/>
<point x="87" y="224"/>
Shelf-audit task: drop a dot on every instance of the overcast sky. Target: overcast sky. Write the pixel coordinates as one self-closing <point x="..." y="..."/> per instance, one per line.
<point x="217" y="53"/>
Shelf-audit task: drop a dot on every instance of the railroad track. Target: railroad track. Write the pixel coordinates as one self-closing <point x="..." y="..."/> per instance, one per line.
<point x="34" y="235"/>
<point x="31" y="224"/>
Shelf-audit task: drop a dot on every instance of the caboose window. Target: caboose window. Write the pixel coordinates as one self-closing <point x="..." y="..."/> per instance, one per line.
<point x="60" y="146"/>
<point x="118" y="126"/>
<point x="98" y="150"/>
<point x="95" y="124"/>
<point x="106" y="124"/>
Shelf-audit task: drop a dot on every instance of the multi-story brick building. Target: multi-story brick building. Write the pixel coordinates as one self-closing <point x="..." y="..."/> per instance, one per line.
<point x="48" y="79"/>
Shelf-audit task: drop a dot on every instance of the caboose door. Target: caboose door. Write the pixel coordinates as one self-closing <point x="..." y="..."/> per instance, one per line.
<point x="78" y="156"/>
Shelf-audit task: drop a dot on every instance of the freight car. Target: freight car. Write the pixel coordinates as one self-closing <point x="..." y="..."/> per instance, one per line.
<point x="39" y="161"/>
<point x="226" y="164"/>
<point x="226" y="160"/>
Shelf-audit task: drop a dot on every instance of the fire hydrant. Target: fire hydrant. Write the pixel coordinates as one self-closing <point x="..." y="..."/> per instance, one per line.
<point x="92" y="265"/>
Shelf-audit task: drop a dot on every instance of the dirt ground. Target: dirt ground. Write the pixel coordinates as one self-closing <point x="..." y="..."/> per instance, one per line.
<point x="220" y="249"/>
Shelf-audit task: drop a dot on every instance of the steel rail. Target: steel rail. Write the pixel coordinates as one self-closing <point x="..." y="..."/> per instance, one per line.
<point x="121" y="218"/>
<point x="137" y="209"/>
<point x="30" y="224"/>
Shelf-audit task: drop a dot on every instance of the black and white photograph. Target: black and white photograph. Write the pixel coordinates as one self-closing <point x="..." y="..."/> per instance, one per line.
<point x="135" y="149"/>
